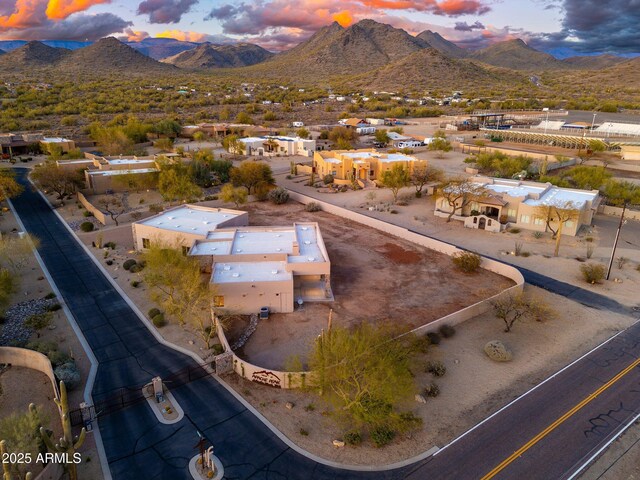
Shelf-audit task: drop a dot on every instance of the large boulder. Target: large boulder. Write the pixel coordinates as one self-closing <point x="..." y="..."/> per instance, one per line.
<point x="497" y="351"/>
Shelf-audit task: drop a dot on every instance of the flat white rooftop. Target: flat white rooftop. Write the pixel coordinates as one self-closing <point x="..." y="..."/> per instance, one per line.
<point x="249" y="272"/>
<point x="389" y="157"/>
<point x="54" y="140"/>
<point x="128" y="161"/>
<point x="542" y="194"/>
<point x="190" y="220"/>
<point x="122" y="172"/>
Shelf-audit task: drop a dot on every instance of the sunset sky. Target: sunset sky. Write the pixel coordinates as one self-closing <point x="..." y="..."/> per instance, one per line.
<point x="561" y="27"/>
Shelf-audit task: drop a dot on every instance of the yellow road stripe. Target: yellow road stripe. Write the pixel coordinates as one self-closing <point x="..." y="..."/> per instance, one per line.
<point x="560" y="420"/>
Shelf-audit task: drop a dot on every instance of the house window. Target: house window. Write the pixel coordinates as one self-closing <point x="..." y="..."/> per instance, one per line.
<point x="511" y="213"/>
<point x="475" y="219"/>
<point x="538" y="221"/>
<point x="489" y="223"/>
<point x="334" y="172"/>
<point x="524" y="219"/>
<point x="218" y="301"/>
<point x="146" y="243"/>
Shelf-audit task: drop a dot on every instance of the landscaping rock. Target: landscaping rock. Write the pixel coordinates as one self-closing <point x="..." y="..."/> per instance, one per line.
<point x="497" y="351"/>
<point x="338" y="443"/>
<point x="420" y="399"/>
<point x="289" y="405"/>
<point x="253" y="325"/>
<point x="13" y="331"/>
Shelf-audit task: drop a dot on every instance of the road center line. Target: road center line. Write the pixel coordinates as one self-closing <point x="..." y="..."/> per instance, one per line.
<point x="559" y="421"/>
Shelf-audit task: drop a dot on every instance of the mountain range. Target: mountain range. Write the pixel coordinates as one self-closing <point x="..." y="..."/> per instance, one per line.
<point x="365" y="53"/>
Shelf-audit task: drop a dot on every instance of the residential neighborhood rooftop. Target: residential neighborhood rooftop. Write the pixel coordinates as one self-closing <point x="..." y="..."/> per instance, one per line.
<point x="189" y="218"/>
<point x="242" y="272"/>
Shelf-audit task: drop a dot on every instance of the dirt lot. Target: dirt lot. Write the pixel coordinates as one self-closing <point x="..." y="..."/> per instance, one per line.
<point x="374" y="277"/>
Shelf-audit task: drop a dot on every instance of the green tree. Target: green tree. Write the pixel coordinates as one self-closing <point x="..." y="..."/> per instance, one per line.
<point x="381" y="136"/>
<point x="20" y="432"/>
<point x="177" y="286"/>
<point x="303" y="133"/>
<point x="164" y="144"/>
<point x="244" y="117"/>
<point x="622" y="193"/>
<point x="440" y="144"/>
<point x="395" y="179"/>
<point x="8" y="287"/>
<point x="175" y="183"/>
<point x="516" y="307"/>
<point x="587" y="178"/>
<point x="343" y="137"/>
<point x="364" y="375"/>
<point x="424" y="174"/>
<point x="199" y="136"/>
<point x="251" y="174"/>
<point x="556" y="216"/>
<point x="232" y="144"/>
<point x="235" y="195"/>
<point x="49" y="177"/>
<point x="169" y="128"/>
<point x="457" y="193"/>
<point x="9" y="188"/>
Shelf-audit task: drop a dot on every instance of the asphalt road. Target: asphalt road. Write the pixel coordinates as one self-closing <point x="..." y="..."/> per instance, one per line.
<point x="139" y="448"/>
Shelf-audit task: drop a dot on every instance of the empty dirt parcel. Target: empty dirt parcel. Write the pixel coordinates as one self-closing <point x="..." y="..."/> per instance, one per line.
<point x="375" y="277"/>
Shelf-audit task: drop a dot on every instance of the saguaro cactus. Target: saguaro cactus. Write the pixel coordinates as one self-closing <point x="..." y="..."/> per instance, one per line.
<point x="6" y="466"/>
<point x="68" y="443"/>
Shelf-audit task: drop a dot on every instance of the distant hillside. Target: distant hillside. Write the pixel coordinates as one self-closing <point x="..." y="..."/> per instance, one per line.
<point x="208" y="55"/>
<point x="429" y="69"/>
<point x="435" y="40"/>
<point x="159" y="48"/>
<point x="9" y="45"/>
<point x="517" y="55"/>
<point x="110" y="56"/>
<point x="32" y="55"/>
<point x="363" y="46"/>
<point x="596" y="62"/>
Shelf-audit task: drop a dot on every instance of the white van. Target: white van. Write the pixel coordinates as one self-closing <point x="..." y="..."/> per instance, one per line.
<point x="297" y="124"/>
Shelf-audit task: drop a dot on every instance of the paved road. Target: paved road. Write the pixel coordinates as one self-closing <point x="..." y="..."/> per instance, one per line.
<point x="139" y="448"/>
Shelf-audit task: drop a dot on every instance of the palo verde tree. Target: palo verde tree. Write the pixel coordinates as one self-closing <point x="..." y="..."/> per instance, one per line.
<point x="51" y="178"/>
<point x="556" y="216"/>
<point x="457" y="193"/>
<point x="518" y="307"/>
<point x="381" y="136"/>
<point x="175" y="183"/>
<point x="395" y="179"/>
<point x="251" y="175"/>
<point x="364" y="376"/>
<point x="440" y="144"/>
<point x="423" y="175"/>
<point x="233" y="145"/>
<point x="236" y="195"/>
<point x="9" y="187"/>
<point x="177" y="286"/>
<point x="343" y="137"/>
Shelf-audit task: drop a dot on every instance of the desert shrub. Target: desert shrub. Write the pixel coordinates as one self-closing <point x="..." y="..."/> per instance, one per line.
<point x="57" y="358"/>
<point x="217" y="349"/>
<point x="42" y="347"/>
<point x="279" y="196"/>
<point x="109" y="262"/>
<point x="54" y="308"/>
<point x="525" y="254"/>
<point x="49" y="296"/>
<point x="310" y="408"/>
<point x="261" y="192"/>
<point x="111" y="245"/>
<point x="153" y="312"/>
<point x="468" y="262"/>
<point x="159" y="320"/>
<point x="592" y="272"/>
<point x="434" y="338"/>
<point x="155" y="208"/>
<point x="447" y="331"/>
<point x="86" y="226"/>
<point x="69" y="374"/>
<point x="129" y="263"/>
<point x="135" y="283"/>
<point x="537" y="234"/>
<point x="382" y="435"/>
<point x="421" y="343"/>
<point x="621" y="262"/>
<point x="436" y="368"/>
<point x="136" y="268"/>
<point x="431" y="390"/>
<point x="327" y="179"/>
<point x="87" y="213"/>
<point x="514" y="230"/>
<point x="304" y="433"/>
<point x="352" y="438"/>
<point x="312" y="207"/>
<point x="38" y="321"/>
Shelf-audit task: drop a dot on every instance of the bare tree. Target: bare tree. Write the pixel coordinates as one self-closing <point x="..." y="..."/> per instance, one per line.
<point x="458" y="193"/>
<point x="114" y="205"/>
<point x="517" y="307"/>
<point x="556" y="216"/>
<point x="424" y="174"/>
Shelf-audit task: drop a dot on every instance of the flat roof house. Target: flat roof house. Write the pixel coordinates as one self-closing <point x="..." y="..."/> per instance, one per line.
<point x="271" y="146"/>
<point x="518" y="203"/>
<point x="365" y="164"/>
<point x="64" y="143"/>
<point x="251" y="266"/>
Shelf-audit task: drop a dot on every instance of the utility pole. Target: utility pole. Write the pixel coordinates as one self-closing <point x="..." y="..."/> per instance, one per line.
<point x="615" y="242"/>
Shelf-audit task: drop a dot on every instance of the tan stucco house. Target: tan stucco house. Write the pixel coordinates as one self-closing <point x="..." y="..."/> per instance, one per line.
<point x="251" y="266"/>
<point x="520" y="204"/>
<point x="364" y="164"/>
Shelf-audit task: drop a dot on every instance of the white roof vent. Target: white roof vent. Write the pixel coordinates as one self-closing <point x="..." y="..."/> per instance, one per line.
<point x="235" y="275"/>
<point x="241" y="236"/>
<point x="278" y="249"/>
<point x="171" y="218"/>
<point x="278" y="235"/>
<point x="159" y="223"/>
<point x="311" y="259"/>
<point x="305" y="228"/>
<point x="307" y="242"/>
<point x="274" y="272"/>
<point x="178" y="226"/>
<point x="227" y="267"/>
<point x="238" y="250"/>
<point x="193" y="228"/>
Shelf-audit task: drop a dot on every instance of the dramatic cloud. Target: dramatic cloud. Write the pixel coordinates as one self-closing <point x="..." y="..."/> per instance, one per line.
<point x="131" y="35"/>
<point x="61" y="9"/>
<point x="195" y="37"/>
<point x="76" y="27"/>
<point x="56" y="19"/>
<point x="165" y="11"/>
<point x="465" y="27"/>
